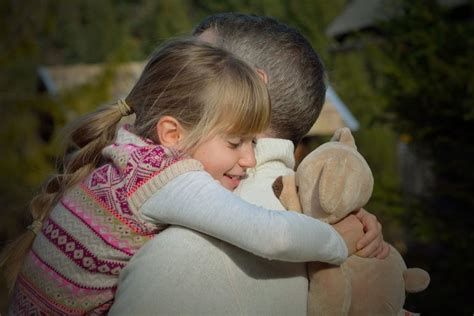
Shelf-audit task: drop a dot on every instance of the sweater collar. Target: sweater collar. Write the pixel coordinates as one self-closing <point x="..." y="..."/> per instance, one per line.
<point x="126" y="136"/>
<point x="275" y="150"/>
<point x="128" y="146"/>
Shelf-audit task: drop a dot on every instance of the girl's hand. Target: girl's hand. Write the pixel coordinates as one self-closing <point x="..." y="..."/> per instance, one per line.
<point x="371" y="244"/>
<point x="351" y="230"/>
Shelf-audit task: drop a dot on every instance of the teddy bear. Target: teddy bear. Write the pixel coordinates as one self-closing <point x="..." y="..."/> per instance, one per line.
<point x="329" y="183"/>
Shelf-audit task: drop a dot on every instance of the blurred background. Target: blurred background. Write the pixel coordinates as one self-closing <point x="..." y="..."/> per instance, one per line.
<point x="401" y="75"/>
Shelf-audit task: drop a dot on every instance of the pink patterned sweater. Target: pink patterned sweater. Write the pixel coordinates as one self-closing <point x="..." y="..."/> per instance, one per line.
<point x="94" y="230"/>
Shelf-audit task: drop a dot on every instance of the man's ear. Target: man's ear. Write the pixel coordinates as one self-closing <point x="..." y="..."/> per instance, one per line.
<point x="263" y="74"/>
<point x="169" y="131"/>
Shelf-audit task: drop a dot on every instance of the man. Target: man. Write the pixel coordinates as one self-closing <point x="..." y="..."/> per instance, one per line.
<point x="184" y="272"/>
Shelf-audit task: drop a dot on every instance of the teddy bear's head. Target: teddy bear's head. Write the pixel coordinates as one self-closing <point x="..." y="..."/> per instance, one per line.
<point x="332" y="181"/>
<point x="342" y="176"/>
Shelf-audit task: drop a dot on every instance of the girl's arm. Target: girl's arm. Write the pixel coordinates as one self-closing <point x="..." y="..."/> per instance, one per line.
<point x="197" y="201"/>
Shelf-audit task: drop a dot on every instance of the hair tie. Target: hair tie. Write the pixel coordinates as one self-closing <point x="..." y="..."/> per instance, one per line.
<point x="124" y="108"/>
<point x="36" y="226"/>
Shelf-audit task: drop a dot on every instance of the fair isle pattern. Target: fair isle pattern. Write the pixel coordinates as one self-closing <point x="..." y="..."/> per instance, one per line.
<point x="62" y="297"/>
<point x="78" y="253"/>
<point x="26" y="301"/>
<point x="108" y="187"/>
<point x="91" y="234"/>
<point x="106" y="226"/>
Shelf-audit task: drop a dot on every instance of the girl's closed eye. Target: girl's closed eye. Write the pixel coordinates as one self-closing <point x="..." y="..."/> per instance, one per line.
<point x="237" y="142"/>
<point x="234" y="143"/>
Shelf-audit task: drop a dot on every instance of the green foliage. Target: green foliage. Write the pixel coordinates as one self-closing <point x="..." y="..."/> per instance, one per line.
<point x="427" y="76"/>
<point x="353" y="77"/>
<point x="151" y="22"/>
<point x="429" y="82"/>
<point x="311" y="18"/>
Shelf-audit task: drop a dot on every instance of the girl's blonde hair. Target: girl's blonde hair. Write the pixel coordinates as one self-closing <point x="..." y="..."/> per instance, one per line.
<point x="207" y="89"/>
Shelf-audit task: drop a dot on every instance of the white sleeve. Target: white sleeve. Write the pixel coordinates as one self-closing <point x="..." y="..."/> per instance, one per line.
<point x="197" y="201"/>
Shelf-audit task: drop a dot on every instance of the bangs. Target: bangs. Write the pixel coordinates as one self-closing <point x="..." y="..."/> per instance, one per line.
<point x="235" y="102"/>
<point x="241" y="106"/>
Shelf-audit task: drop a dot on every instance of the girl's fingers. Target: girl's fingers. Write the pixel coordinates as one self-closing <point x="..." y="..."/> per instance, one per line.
<point x="384" y="251"/>
<point x="372" y="228"/>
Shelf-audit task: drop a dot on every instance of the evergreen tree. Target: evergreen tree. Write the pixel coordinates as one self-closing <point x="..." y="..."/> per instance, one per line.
<point x="428" y="79"/>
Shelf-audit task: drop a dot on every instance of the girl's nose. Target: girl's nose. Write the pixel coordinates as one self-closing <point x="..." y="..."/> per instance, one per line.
<point x="247" y="158"/>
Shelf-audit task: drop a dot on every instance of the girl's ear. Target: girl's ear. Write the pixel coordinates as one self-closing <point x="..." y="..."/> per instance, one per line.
<point x="169" y="131"/>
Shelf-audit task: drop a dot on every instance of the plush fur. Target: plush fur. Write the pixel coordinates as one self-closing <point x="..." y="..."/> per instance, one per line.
<point x="331" y="182"/>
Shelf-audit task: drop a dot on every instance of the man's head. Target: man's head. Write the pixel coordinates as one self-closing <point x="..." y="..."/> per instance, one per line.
<point x="296" y="78"/>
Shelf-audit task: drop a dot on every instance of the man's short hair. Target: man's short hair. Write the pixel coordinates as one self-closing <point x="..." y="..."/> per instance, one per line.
<point x="296" y="74"/>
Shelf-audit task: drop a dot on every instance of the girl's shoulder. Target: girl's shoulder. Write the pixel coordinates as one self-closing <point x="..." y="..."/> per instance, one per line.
<point x="134" y="169"/>
<point x="134" y="163"/>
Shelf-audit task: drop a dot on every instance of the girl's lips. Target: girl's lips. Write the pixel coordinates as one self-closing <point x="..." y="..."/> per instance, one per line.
<point x="234" y="180"/>
<point x="234" y="177"/>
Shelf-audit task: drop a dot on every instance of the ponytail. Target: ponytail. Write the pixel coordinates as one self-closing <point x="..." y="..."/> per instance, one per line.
<point x="85" y="138"/>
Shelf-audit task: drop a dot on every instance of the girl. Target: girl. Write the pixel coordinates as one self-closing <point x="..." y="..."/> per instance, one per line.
<point x="197" y="110"/>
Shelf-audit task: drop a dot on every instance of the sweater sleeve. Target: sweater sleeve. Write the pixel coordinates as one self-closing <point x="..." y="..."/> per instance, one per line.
<point x="197" y="201"/>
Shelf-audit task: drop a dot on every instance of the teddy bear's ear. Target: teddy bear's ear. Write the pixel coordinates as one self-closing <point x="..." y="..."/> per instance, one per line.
<point x="344" y="136"/>
<point x="345" y="185"/>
